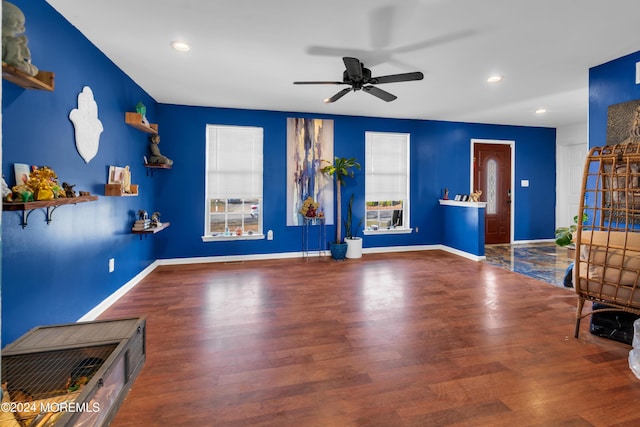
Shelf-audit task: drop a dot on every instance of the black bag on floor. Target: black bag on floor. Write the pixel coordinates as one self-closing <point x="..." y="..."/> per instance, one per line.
<point x="615" y="325"/>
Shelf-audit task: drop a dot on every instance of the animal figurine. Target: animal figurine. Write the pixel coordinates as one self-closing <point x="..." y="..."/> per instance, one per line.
<point x="14" y="43"/>
<point x="475" y="196"/>
<point x="142" y="214"/>
<point x="68" y="190"/>
<point x="155" y="219"/>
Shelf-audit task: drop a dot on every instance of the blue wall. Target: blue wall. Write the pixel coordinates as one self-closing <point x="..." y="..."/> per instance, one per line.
<point x="440" y="157"/>
<point x="610" y="83"/>
<point x="56" y="273"/>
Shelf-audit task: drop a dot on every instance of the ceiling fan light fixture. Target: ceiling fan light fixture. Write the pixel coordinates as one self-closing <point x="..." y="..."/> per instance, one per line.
<point x="496" y="78"/>
<point x="180" y="46"/>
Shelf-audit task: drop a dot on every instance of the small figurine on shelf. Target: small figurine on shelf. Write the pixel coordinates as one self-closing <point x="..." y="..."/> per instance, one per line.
<point x="156" y="157"/>
<point x="475" y="196"/>
<point x="23" y="193"/>
<point x="68" y="190"/>
<point x="142" y="110"/>
<point x="6" y="191"/>
<point x="446" y="194"/>
<point x="126" y="180"/>
<point x="14" y="42"/>
<point x="155" y="219"/>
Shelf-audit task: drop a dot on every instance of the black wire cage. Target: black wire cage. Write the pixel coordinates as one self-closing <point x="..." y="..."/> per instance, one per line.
<point x="71" y="375"/>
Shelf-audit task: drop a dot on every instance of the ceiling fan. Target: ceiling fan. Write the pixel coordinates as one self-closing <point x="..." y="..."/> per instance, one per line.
<point x="359" y="78"/>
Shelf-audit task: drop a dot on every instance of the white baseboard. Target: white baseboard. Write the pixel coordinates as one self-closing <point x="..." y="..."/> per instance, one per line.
<point x="111" y="299"/>
<point x="463" y="254"/>
<point x="230" y="258"/>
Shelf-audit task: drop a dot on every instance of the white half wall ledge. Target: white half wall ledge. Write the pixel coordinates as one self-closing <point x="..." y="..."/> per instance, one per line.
<point x="463" y="204"/>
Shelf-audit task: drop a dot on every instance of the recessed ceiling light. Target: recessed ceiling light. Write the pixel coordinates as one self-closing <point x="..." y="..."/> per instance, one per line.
<point x="495" y="79"/>
<point x="541" y="110"/>
<point x="180" y="46"/>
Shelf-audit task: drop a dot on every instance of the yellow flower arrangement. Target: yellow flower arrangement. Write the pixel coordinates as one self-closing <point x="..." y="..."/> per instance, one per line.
<point x="310" y="208"/>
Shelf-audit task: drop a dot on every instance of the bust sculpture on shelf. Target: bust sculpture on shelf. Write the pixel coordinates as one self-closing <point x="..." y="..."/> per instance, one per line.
<point x="14" y="42"/>
<point x="156" y="157"/>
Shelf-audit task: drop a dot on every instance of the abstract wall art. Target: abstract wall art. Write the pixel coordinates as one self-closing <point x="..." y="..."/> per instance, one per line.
<point x="309" y="144"/>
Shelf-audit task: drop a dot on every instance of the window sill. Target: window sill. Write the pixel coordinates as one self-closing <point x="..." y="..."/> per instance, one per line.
<point x="387" y="231"/>
<point x="230" y="238"/>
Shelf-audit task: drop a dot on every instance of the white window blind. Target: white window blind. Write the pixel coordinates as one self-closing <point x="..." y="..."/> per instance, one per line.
<point x="386" y="166"/>
<point x="234" y="162"/>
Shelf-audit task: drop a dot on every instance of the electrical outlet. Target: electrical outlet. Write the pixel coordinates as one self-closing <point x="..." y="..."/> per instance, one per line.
<point x="112" y="265"/>
<point x="270" y="235"/>
<point x="417" y="230"/>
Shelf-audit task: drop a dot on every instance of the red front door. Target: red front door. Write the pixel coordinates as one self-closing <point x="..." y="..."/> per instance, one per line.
<point x="492" y="175"/>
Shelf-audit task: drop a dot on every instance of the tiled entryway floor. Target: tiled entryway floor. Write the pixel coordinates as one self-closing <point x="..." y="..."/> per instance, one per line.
<point x="543" y="261"/>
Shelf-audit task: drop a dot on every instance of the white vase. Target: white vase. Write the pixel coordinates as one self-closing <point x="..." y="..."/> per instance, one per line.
<point x="354" y="247"/>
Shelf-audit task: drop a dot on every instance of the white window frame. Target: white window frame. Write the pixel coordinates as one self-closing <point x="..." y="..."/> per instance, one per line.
<point x="255" y="190"/>
<point x="371" y="138"/>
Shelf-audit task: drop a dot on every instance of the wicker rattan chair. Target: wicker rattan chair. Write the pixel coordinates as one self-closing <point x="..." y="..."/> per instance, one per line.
<point x="607" y="264"/>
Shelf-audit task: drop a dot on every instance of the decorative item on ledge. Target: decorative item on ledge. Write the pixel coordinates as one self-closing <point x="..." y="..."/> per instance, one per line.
<point x="135" y="120"/>
<point x="116" y="190"/>
<point x="44" y="80"/>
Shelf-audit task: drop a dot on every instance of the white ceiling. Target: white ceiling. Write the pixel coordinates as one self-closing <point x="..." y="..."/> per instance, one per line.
<point x="247" y="53"/>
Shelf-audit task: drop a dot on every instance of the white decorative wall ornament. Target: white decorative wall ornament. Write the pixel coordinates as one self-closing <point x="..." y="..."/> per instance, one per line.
<point x="87" y="125"/>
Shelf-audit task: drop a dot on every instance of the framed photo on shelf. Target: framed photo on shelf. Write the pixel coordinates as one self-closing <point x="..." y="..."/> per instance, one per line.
<point x="116" y="174"/>
<point x="21" y="171"/>
<point x="458" y="197"/>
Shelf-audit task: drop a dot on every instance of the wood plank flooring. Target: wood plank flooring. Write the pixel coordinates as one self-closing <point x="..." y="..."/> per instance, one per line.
<point x="400" y="339"/>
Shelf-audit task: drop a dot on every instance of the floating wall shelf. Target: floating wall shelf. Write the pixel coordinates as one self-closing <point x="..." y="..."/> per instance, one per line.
<point x="49" y="205"/>
<point x="116" y="190"/>
<point x="41" y="81"/>
<point x="152" y="166"/>
<point x="151" y="230"/>
<point x="135" y="120"/>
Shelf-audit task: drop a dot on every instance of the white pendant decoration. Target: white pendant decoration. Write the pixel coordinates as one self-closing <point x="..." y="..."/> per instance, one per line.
<point x="87" y="125"/>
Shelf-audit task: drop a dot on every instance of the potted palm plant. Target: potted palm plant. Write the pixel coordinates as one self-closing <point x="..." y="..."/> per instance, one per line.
<point x="354" y="243"/>
<point x="340" y="169"/>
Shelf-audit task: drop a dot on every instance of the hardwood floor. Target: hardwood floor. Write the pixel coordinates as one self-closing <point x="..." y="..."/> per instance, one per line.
<point x="399" y="339"/>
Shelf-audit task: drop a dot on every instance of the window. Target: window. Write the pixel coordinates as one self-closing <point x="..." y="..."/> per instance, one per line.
<point x="233" y="187"/>
<point x="387" y="182"/>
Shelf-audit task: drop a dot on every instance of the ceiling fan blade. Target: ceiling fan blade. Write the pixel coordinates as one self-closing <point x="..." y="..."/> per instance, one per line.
<point x="384" y="95"/>
<point x="394" y="78"/>
<point x="354" y="68"/>
<point x="319" y="83"/>
<point x="337" y="96"/>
